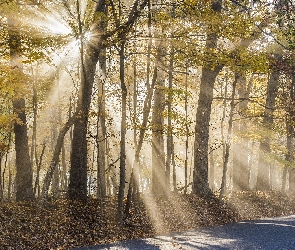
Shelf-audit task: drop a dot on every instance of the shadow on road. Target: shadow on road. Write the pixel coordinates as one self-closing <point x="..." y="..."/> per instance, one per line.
<point x="268" y="234"/>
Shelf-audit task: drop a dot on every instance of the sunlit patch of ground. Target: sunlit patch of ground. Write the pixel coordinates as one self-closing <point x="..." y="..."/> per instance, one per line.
<point x="65" y="224"/>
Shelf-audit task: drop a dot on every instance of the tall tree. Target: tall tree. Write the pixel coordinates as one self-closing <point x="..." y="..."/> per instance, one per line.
<point x="241" y="168"/>
<point x="159" y="185"/>
<point x="291" y="136"/>
<point x="209" y="74"/>
<point x="24" y="172"/>
<point x="228" y="139"/>
<point x="101" y="119"/>
<point x="78" y="171"/>
<point x="263" y="176"/>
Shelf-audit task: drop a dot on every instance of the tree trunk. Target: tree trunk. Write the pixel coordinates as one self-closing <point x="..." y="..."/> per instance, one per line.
<point x="291" y="136"/>
<point x="228" y="140"/>
<point x="159" y="185"/>
<point x="263" y="176"/>
<point x="170" y="146"/>
<point x="186" y="132"/>
<point x="24" y="172"/>
<point x="54" y="134"/>
<point x="241" y="168"/>
<point x="148" y="99"/>
<point x="78" y="172"/>
<point x="101" y="129"/>
<point x="200" y="174"/>
<point x="1" y="186"/>
<point x="123" y="136"/>
<point x="55" y="158"/>
<point x="134" y="185"/>
<point x="37" y="180"/>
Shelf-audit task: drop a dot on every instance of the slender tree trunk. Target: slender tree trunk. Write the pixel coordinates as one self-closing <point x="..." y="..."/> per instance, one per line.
<point x="289" y="155"/>
<point x="34" y="157"/>
<point x="228" y="140"/>
<point x="173" y="167"/>
<point x="123" y="136"/>
<point x="37" y="180"/>
<point x="149" y="96"/>
<point x="133" y="185"/>
<point x="101" y="122"/>
<point x="263" y="177"/>
<point x="1" y="186"/>
<point x="55" y="157"/>
<point x="186" y="132"/>
<point x="170" y="146"/>
<point x="291" y="136"/>
<point x="241" y="166"/>
<point x="212" y="171"/>
<point x="159" y="185"/>
<point x="135" y="168"/>
<point x="101" y="128"/>
<point x="64" y="182"/>
<point x="9" y="184"/>
<point x="224" y="142"/>
<point x="169" y="131"/>
<point x="54" y="134"/>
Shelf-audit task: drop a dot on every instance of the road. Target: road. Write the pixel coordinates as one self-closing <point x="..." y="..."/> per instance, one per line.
<point x="268" y="233"/>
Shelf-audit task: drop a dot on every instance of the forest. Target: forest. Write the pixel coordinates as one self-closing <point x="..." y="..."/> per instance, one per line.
<point x="113" y="103"/>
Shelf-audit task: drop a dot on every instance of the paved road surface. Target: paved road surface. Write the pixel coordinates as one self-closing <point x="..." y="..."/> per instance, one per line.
<point x="269" y="234"/>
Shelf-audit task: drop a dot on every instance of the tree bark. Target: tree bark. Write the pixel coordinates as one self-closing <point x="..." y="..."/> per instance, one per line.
<point x="55" y="158"/>
<point x="123" y="136"/>
<point x="24" y="171"/>
<point x="101" y="129"/>
<point x="291" y="136"/>
<point x="263" y="176"/>
<point x="78" y="172"/>
<point x="228" y="140"/>
<point x="159" y="185"/>
<point x="241" y="166"/>
<point x="209" y="74"/>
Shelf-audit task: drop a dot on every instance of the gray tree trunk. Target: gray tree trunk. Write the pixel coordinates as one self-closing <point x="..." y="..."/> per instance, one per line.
<point x="78" y="172"/>
<point x="24" y="171"/>
<point x="291" y="137"/>
<point x="263" y="176"/>
<point x="101" y="129"/>
<point x="228" y="140"/>
<point x="123" y="136"/>
<point x="159" y="185"/>
<point x="200" y="174"/>
<point x="241" y="167"/>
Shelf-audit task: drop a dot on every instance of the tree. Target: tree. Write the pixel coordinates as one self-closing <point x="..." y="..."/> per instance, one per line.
<point x="123" y="134"/>
<point x="209" y="73"/>
<point x="159" y="186"/>
<point x="263" y="177"/>
<point x="24" y="173"/>
<point x="78" y="172"/>
<point x="241" y="168"/>
<point x="228" y="140"/>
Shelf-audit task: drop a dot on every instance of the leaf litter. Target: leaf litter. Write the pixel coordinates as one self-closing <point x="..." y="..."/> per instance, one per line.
<point x="65" y="224"/>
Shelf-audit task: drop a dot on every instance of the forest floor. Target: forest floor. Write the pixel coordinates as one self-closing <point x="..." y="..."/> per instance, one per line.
<point x="64" y="224"/>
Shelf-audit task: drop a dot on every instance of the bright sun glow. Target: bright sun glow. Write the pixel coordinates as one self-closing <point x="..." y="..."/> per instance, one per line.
<point x="51" y="23"/>
<point x="56" y="27"/>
